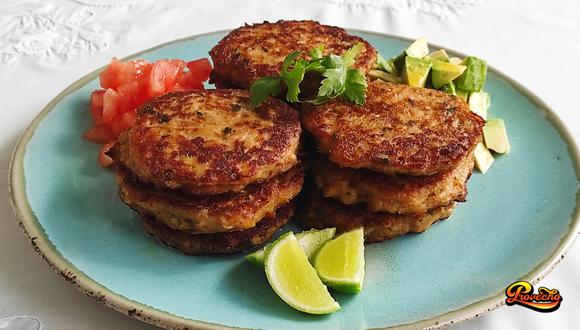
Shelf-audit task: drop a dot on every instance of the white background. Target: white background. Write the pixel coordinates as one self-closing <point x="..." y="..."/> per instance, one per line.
<point x="47" y="45"/>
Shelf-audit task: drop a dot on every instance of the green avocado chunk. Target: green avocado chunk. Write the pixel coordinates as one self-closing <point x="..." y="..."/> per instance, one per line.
<point x="438" y="55"/>
<point x="444" y="72"/>
<point x="462" y="94"/>
<point x="416" y="71"/>
<point x="386" y="65"/>
<point x="418" y="48"/>
<point x="483" y="158"/>
<point x="495" y="136"/>
<point x="378" y="74"/>
<point x="479" y="102"/>
<point x="473" y="78"/>
<point x="455" y="60"/>
<point x="449" y="88"/>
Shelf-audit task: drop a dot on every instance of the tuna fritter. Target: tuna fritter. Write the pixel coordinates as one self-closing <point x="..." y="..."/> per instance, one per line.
<point x="255" y="51"/>
<point x="400" y="129"/>
<point x="392" y="193"/>
<point x="210" y="213"/>
<point x="228" y="242"/>
<point x="319" y="212"/>
<point x="209" y="142"/>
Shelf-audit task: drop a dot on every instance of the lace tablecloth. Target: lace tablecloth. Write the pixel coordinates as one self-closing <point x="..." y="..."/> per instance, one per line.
<point x="47" y="44"/>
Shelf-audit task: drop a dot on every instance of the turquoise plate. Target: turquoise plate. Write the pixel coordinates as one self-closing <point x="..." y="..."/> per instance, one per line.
<point x="520" y="219"/>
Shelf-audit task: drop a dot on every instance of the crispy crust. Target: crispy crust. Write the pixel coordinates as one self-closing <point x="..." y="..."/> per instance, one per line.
<point x="254" y="51"/>
<point x="218" y="243"/>
<point x="319" y="212"/>
<point x="210" y="142"/>
<point x="400" y="129"/>
<point x="210" y="213"/>
<point x="392" y="193"/>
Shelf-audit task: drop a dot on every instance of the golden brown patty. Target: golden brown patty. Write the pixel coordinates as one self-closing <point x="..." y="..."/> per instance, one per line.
<point x="392" y="193"/>
<point x="319" y="212"/>
<point x="254" y="51"/>
<point x="228" y="242"/>
<point x="210" y="142"/>
<point x="400" y="129"/>
<point x="210" y="213"/>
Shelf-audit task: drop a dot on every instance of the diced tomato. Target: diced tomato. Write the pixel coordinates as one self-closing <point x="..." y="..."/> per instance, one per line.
<point x="111" y="105"/>
<point x="96" y="105"/>
<point x="200" y="68"/>
<point x="100" y="133"/>
<point x="118" y="73"/>
<point x="97" y="98"/>
<point x="163" y="75"/>
<point x="122" y="122"/>
<point x="103" y="158"/>
<point x="112" y="75"/>
<point x="188" y="81"/>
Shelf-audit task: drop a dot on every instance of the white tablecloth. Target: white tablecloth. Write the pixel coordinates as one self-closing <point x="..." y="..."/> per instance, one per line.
<point x="47" y="44"/>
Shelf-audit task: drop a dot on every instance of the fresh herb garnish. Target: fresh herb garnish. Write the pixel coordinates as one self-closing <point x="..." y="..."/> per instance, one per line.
<point x="340" y="79"/>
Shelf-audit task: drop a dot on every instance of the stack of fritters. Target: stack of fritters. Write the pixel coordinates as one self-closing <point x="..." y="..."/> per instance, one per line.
<point x="208" y="173"/>
<point x="394" y="165"/>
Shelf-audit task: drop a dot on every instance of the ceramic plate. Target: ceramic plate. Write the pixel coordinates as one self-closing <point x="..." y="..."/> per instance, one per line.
<point x="519" y="220"/>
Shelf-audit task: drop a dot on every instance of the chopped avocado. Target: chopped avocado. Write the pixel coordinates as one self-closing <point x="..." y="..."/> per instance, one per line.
<point x="386" y="65"/>
<point x="416" y="71"/>
<point x="449" y="88"/>
<point x="385" y="76"/>
<point x="461" y="93"/>
<point x="444" y="73"/>
<point x="439" y="55"/>
<point x="483" y="158"/>
<point x="399" y="63"/>
<point x="479" y="103"/>
<point x="473" y="78"/>
<point x="455" y="60"/>
<point x="418" y="48"/>
<point x="495" y="136"/>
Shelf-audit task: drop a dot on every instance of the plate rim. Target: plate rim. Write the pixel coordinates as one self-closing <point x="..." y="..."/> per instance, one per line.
<point x="40" y="242"/>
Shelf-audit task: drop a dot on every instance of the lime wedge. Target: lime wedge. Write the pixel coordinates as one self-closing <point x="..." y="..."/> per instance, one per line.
<point x="340" y="262"/>
<point x="295" y="280"/>
<point x="310" y="241"/>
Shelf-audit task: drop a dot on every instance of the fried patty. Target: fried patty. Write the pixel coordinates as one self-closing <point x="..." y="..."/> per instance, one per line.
<point x="319" y="212"/>
<point x="210" y="213"/>
<point x="210" y="142"/>
<point x="399" y="130"/>
<point x="254" y="51"/>
<point x="228" y="242"/>
<point x="392" y="193"/>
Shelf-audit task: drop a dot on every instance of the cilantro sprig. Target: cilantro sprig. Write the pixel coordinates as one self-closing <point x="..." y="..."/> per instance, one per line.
<point x="340" y="79"/>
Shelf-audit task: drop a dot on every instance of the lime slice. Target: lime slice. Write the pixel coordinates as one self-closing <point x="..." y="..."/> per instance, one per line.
<point x="294" y="279"/>
<point x="340" y="262"/>
<point x="310" y="241"/>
